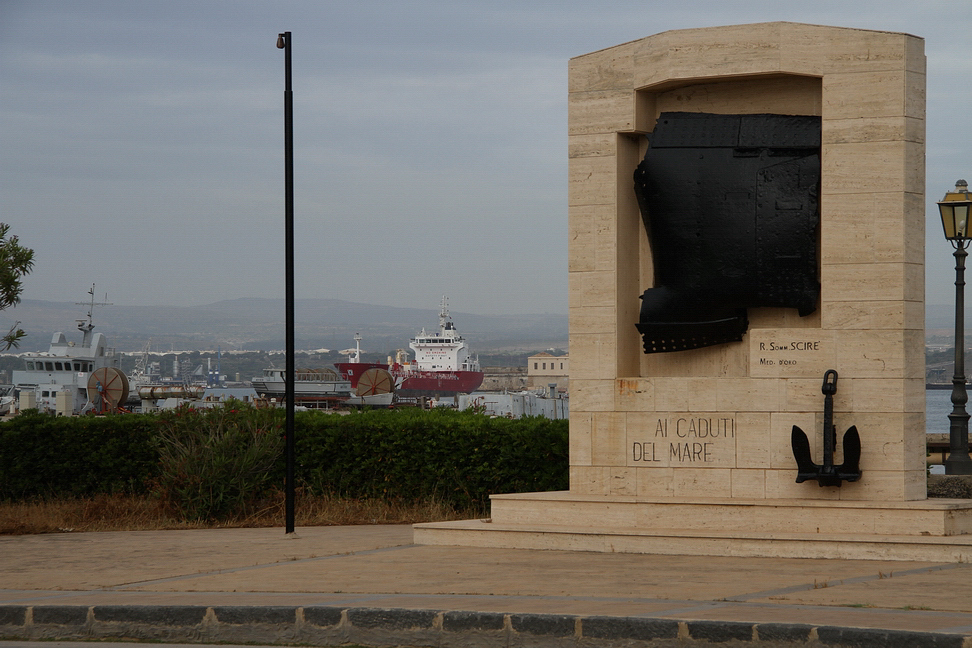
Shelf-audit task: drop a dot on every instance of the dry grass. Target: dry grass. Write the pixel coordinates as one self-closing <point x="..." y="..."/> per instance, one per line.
<point x="126" y="513"/>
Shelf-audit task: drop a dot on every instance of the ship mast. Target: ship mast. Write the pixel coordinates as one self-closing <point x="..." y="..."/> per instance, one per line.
<point x="444" y="316"/>
<point x="86" y="328"/>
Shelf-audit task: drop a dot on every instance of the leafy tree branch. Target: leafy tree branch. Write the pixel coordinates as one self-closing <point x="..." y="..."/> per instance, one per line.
<point x="16" y="261"/>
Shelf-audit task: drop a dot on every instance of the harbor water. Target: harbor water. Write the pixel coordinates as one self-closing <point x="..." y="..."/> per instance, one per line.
<point x="938" y="404"/>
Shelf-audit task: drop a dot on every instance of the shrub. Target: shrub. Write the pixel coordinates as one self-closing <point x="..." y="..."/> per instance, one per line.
<point x="219" y="462"/>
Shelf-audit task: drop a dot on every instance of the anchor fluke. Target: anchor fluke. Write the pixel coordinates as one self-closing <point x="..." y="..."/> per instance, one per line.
<point x="827" y="474"/>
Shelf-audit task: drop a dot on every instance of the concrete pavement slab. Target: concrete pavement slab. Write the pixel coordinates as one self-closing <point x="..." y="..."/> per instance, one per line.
<point x="377" y="567"/>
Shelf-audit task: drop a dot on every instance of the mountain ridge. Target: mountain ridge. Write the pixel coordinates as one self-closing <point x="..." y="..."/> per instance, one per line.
<point x="257" y="323"/>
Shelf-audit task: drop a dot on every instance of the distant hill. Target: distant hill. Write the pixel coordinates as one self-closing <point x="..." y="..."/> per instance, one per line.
<point x="258" y="324"/>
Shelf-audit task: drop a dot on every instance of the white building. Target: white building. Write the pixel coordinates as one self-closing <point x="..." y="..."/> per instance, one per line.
<point x="544" y="368"/>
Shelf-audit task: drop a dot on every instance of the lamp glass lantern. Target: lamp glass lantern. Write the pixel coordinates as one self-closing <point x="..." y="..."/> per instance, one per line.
<point x="955" y="210"/>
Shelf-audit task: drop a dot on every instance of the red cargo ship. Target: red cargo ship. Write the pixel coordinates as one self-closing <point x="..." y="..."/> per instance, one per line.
<point x="442" y="365"/>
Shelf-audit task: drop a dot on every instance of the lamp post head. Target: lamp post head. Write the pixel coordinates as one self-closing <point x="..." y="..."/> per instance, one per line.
<point x="955" y="212"/>
<point x="281" y="41"/>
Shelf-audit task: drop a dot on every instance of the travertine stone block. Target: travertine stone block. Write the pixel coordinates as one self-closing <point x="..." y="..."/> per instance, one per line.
<point x="608" y="69"/>
<point x="859" y="282"/>
<point x="753" y="439"/>
<point x="608" y="439"/>
<point x="781" y="484"/>
<point x="873" y="129"/>
<point x="883" y="451"/>
<point x="702" y="482"/>
<point x="858" y="167"/>
<point x="655" y="482"/>
<point x="579" y="442"/>
<point x="594" y="319"/>
<point x="636" y="395"/>
<point x="887" y="95"/>
<point x="687" y="395"/>
<point x="591" y="395"/>
<point x="596" y="349"/>
<point x="825" y="50"/>
<point x="874" y="315"/>
<point x="693" y="53"/>
<point x="885" y="395"/>
<point x="595" y="289"/>
<point x="623" y="481"/>
<point x="748" y="395"/>
<point x="748" y="484"/>
<point x="606" y="111"/>
<point x="888" y="237"/>
<point x="887" y="485"/>
<point x="785" y="95"/>
<point x="580" y="230"/>
<point x="789" y="353"/>
<point x="592" y="145"/>
<point x="592" y="181"/>
<point x="590" y="480"/>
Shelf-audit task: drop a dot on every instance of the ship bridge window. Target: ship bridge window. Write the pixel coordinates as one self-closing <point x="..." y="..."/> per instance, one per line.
<point x="30" y="366"/>
<point x="49" y="366"/>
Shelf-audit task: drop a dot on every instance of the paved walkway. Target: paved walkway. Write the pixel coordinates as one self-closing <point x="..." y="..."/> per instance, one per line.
<point x="379" y="567"/>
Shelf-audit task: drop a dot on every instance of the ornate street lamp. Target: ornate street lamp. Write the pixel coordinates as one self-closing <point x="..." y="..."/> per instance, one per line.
<point x="954" y="208"/>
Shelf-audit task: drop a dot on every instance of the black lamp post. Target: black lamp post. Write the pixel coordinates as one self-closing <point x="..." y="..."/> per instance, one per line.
<point x="283" y="42"/>
<point x="955" y="219"/>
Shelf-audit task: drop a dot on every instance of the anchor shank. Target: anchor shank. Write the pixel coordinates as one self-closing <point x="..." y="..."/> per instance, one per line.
<point x="829" y="388"/>
<point x="829" y="433"/>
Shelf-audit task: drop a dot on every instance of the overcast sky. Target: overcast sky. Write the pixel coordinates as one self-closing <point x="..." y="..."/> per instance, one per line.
<point x="142" y="142"/>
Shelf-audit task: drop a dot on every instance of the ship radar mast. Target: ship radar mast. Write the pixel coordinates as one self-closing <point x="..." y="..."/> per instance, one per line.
<point x="445" y="322"/>
<point x="87" y="327"/>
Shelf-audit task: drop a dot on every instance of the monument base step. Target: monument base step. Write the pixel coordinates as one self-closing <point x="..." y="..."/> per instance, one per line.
<point x="926" y="530"/>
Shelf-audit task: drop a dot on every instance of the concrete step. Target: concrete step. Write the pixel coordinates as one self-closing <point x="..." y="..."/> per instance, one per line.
<point x="934" y="529"/>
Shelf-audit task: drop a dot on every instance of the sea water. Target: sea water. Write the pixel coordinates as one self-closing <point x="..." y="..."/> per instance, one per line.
<point x="938" y="405"/>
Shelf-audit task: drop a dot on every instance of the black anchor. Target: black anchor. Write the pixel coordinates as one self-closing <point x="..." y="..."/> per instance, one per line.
<point x="828" y="474"/>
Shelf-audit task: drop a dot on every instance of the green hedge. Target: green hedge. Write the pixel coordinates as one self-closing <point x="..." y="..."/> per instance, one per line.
<point x="458" y="457"/>
<point x="410" y="454"/>
<point x="45" y="456"/>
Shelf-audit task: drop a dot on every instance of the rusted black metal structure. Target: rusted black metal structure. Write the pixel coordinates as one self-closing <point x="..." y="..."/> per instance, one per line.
<point x="730" y="204"/>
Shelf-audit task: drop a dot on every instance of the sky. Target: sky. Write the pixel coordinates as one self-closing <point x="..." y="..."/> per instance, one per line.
<point x="142" y="142"/>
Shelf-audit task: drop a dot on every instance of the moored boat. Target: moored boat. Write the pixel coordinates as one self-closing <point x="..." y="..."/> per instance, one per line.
<point x="70" y="378"/>
<point x="442" y="366"/>
<point x="323" y="388"/>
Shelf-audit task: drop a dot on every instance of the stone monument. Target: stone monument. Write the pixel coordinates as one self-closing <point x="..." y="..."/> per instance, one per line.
<point x="699" y="347"/>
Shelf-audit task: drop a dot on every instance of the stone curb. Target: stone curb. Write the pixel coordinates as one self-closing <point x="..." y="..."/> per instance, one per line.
<point x="323" y="626"/>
